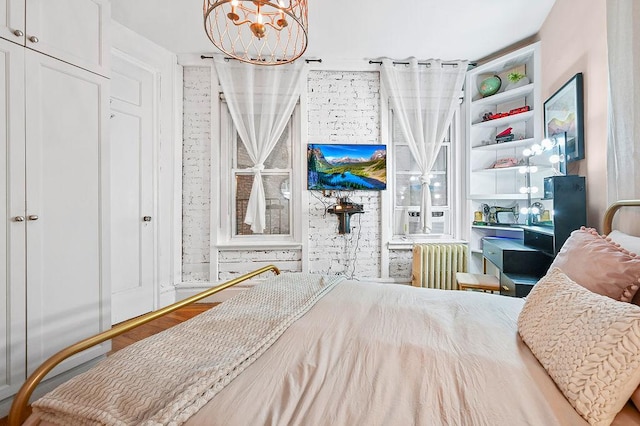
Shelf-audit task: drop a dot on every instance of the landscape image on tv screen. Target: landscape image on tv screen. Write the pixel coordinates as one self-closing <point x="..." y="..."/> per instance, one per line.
<point x="346" y="167"/>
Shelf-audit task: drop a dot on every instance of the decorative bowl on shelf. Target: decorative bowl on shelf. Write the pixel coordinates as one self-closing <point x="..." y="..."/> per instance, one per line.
<point x="490" y="86"/>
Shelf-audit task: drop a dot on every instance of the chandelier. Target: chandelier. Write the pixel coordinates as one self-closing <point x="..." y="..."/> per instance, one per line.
<point x="258" y="31"/>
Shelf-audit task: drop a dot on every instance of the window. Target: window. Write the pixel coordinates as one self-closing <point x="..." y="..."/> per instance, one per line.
<point x="237" y="180"/>
<point x="407" y="186"/>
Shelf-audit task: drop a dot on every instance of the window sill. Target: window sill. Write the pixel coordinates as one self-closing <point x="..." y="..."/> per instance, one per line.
<point x="406" y="243"/>
<point x="259" y="245"/>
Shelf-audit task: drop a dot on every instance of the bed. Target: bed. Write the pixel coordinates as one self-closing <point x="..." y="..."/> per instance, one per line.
<point x="306" y="349"/>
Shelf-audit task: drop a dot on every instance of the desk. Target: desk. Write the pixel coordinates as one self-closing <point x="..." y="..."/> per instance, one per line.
<point x="520" y="266"/>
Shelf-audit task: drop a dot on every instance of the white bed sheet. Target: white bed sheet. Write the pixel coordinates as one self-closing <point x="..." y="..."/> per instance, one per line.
<point x="384" y="354"/>
<point x="381" y="354"/>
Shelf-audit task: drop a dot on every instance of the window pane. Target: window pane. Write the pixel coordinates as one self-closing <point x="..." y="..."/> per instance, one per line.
<point x="404" y="160"/>
<point x="397" y="133"/>
<point x="281" y="154"/>
<point x="277" y="194"/>
<point x="406" y="163"/>
<point x="408" y="189"/>
<point x="407" y="222"/>
<point x="407" y="186"/>
<point x="441" y="161"/>
<point x="243" y="161"/>
<point x="439" y="190"/>
<point x="278" y="159"/>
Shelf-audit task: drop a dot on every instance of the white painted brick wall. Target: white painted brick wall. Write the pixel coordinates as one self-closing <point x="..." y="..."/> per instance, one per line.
<point x="343" y="107"/>
<point x="196" y="174"/>
<point x="400" y="264"/>
<point x="233" y="263"/>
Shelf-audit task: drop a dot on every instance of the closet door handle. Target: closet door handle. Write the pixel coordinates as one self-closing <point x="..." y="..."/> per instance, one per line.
<point x="33" y="217"/>
<point x="34" y="39"/>
<point x="18" y="219"/>
<point x="18" y="33"/>
<point x="147" y="218"/>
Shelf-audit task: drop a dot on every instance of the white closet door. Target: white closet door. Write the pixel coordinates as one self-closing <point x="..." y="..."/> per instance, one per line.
<point x="132" y="237"/>
<point x="12" y="234"/>
<point x="67" y="248"/>
<point x="85" y="35"/>
<point x="12" y="20"/>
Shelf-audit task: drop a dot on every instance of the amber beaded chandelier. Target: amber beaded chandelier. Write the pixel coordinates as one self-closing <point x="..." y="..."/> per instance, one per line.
<point x="258" y="31"/>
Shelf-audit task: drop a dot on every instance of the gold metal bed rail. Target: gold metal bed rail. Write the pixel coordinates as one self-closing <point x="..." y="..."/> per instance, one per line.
<point x="21" y="400"/>
<point x="611" y="211"/>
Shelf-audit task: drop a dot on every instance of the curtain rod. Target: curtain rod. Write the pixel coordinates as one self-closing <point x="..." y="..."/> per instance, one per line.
<point x="428" y="64"/>
<point x="227" y="58"/>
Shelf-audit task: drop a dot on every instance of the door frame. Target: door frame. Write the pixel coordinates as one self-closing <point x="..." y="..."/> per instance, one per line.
<point x="167" y="155"/>
<point x="151" y="187"/>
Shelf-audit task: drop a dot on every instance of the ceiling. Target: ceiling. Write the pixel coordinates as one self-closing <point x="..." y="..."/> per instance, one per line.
<point x="354" y="29"/>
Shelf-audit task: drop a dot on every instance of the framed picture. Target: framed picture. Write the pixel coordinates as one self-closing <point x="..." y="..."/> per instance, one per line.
<point x="563" y="113"/>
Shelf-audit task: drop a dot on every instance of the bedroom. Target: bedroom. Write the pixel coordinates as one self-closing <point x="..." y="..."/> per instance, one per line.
<point x="186" y="259"/>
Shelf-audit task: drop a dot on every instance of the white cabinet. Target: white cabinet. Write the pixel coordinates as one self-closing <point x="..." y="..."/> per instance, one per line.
<point x="12" y="23"/>
<point x="67" y="290"/>
<point x="54" y="286"/>
<point x="517" y="111"/>
<point x="75" y="31"/>
<point x="12" y="233"/>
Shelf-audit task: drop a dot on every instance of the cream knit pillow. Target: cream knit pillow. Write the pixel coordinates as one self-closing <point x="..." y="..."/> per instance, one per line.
<point x="588" y="343"/>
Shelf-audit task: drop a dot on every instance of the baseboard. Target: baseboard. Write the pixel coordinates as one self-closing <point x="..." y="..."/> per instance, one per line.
<point x="167" y="297"/>
<point x="49" y="384"/>
<point x="185" y="290"/>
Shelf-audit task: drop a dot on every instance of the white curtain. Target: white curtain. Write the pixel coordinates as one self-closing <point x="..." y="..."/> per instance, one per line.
<point x="261" y="100"/>
<point x="424" y="98"/>
<point x="623" y="148"/>
<point x="623" y="145"/>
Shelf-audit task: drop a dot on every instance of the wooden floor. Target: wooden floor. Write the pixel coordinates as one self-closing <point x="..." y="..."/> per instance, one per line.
<point x="158" y="325"/>
<point x="153" y="327"/>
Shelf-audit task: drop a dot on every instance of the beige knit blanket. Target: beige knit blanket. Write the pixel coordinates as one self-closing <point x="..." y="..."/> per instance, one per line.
<point x="166" y="378"/>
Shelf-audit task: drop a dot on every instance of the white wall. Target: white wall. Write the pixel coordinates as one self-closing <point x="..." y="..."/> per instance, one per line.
<point x="344" y="107"/>
<point x="340" y="107"/>
<point x="196" y="174"/>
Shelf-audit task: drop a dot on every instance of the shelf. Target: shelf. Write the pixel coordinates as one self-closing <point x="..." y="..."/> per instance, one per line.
<point x="499" y="228"/>
<point x="504" y="145"/>
<point x="514" y="169"/>
<point x="499" y="170"/>
<point x="500" y="186"/>
<point x="517" y="196"/>
<point x="505" y="121"/>
<point x="503" y="97"/>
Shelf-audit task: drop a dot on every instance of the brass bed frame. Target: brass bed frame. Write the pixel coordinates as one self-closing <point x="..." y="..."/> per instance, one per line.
<point x="21" y="400"/>
<point x="607" y="226"/>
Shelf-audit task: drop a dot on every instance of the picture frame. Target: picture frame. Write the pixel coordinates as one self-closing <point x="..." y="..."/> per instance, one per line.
<point x="564" y="113"/>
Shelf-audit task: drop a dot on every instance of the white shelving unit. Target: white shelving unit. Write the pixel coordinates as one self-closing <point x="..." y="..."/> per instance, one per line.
<point x="501" y="186"/>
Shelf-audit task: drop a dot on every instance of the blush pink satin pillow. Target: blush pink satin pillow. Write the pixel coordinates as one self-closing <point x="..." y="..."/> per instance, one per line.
<point x="599" y="264"/>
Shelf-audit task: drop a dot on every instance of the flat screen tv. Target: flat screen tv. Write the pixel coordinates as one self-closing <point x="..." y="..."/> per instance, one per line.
<point x="346" y="167"/>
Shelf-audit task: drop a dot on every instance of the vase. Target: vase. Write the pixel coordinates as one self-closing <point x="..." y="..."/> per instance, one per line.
<point x="490" y="85"/>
